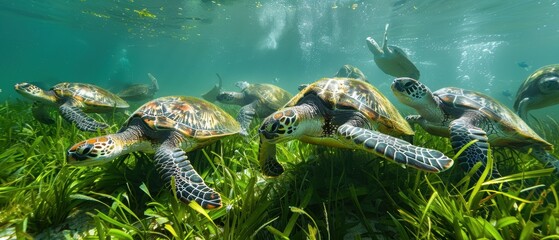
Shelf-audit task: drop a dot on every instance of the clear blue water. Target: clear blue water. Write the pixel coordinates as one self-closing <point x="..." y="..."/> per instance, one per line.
<point x="469" y="44"/>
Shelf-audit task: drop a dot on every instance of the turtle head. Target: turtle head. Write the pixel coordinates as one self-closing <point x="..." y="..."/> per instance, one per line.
<point x="33" y="92"/>
<point x="226" y="97"/>
<point x="418" y="96"/>
<point x="549" y="83"/>
<point x="94" y="151"/>
<point x="280" y="126"/>
<point x="373" y="46"/>
<point x="412" y="92"/>
<point x="242" y="84"/>
<point x="231" y="98"/>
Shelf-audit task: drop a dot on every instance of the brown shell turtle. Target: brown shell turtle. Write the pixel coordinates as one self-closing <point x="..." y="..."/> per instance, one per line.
<point x="390" y="59"/>
<point x="465" y="115"/>
<point x="344" y="113"/>
<point x="256" y="99"/>
<point x="72" y="99"/>
<point x="539" y="90"/>
<point x="350" y="71"/>
<point x="170" y="127"/>
<point x="140" y="91"/>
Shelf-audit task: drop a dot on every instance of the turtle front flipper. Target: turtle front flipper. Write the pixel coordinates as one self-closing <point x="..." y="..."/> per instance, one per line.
<point x="154" y="84"/>
<point x="75" y="115"/>
<point x="394" y="149"/>
<point x="385" y="48"/>
<point x="461" y="133"/>
<point x="523" y="109"/>
<point x="41" y="114"/>
<point x="171" y="161"/>
<point x="246" y="114"/>
<point x="414" y="119"/>
<point x="267" y="158"/>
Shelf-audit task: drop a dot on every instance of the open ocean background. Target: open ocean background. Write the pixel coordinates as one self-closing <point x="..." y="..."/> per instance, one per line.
<point x="470" y="44"/>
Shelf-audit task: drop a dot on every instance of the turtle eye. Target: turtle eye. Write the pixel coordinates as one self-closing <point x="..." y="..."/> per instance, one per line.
<point x="84" y="149"/>
<point x="407" y="84"/>
<point x="274" y="126"/>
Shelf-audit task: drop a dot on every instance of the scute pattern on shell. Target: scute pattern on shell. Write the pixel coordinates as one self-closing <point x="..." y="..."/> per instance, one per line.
<point x="189" y="115"/>
<point x="340" y="93"/>
<point x="457" y="98"/>
<point x="269" y="95"/>
<point x="89" y="94"/>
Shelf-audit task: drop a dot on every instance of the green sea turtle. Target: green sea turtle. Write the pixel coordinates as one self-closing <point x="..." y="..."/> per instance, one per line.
<point x="344" y="113"/>
<point x="170" y="127"/>
<point x="72" y="99"/>
<point x="256" y="99"/>
<point x="539" y="90"/>
<point x="465" y="115"/>
<point x="390" y="59"/>
<point x="346" y="71"/>
<point x="140" y="91"/>
<point x="349" y="71"/>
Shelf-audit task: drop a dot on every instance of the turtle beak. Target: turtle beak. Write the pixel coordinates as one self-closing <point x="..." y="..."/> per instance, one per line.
<point x="20" y="87"/>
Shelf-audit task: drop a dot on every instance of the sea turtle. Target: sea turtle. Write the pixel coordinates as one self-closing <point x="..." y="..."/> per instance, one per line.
<point x="390" y="59"/>
<point x="346" y="71"/>
<point x="539" y="90"/>
<point x="170" y="127"/>
<point x="73" y="100"/>
<point x="465" y="115"/>
<point x="349" y="71"/>
<point x="344" y="113"/>
<point x="256" y="99"/>
<point x="140" y="91"/>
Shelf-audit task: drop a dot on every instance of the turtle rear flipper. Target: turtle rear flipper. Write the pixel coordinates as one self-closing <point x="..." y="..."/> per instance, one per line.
<point x="395" y="149"/>
<point x="83" y="122"/>
<point x="171" y="161"/>
<point x="41" y="114"/>
<point x="461" y="133"/>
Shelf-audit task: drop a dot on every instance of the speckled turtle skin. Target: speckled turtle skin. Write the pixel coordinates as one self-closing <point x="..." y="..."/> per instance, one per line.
<point x="539" y="90"/>
<point x="73" y="100"/>
<point x="344" y="113"/>
<point x="465" y="115"/>
<point x="256" y="99"/>
<point x="169" y="126"/>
